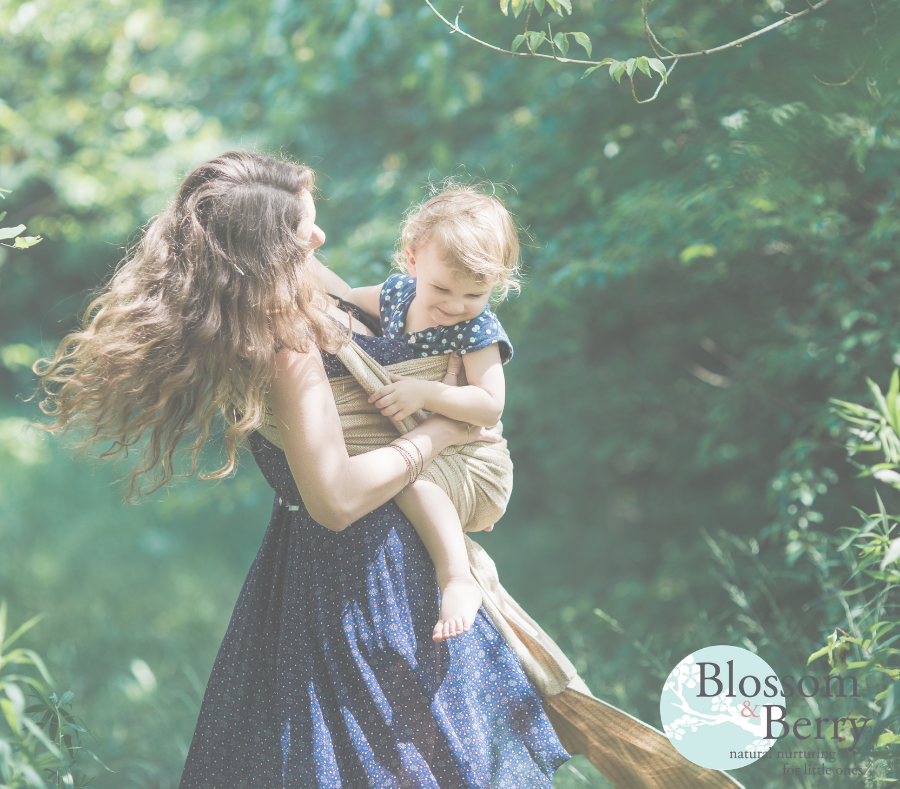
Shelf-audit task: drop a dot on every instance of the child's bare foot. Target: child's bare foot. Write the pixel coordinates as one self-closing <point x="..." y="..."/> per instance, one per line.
<point x="460" y="601"/>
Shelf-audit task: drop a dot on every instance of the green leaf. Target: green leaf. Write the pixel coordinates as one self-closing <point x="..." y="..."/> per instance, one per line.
<point x="882" y="511"/>
<point x="9" y="712"/>
<point x="504" y="7"/>
<point x="890" y="703"/>
<point x="851" y="592"/>
<point x="868" y="526"/>
<point x="20" y="631"/>
<point x="567" y="4"/>
<point x="11" y="232"/>
<point x="98" y="760"/>
<point x="585" y="41"/>
<point x="23" y="242"/>
<point x="554" y="4"/>
<point x="642" y="65"/>
<point x="659" y="67"/>
<point x="887" y="739"/>
<point x="862" y="566"/>
<point x="2" y="216"/>
<point x="629" y="66"/>
<point x="517" y="6"/>
<point x="539" y="5"/>
<point x="892" y="395"/>
<point x="893" y="553"/>
<point x="39" y="733"/>
<point x="561" y="42"/>
<point x="66" y="697"/>
<point x="592" y="69"/>
<point x="535" y="39"/>
<point x="879" y="398"/>
<point x="517" y="41"/>
<point x="696" y="251"/>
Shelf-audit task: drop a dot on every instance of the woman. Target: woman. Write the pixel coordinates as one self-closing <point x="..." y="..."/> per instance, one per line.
<point x="328" y="675"/>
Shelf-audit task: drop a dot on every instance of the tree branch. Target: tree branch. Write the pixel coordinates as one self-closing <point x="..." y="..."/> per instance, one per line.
<point x="651" y="36"/>
<point x="849" y="79"/>
<point x="658" y="87"/>
<point x="455" y="28"/>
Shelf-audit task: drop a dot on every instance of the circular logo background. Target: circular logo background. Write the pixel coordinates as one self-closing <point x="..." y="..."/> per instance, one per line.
<point x="720" y="730"/>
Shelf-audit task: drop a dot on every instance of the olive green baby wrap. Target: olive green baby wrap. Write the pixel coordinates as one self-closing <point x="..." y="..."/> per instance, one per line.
<point x="478" y="479"/>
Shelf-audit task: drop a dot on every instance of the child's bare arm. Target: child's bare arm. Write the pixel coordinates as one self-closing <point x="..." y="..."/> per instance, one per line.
<point x="480" y="403"/>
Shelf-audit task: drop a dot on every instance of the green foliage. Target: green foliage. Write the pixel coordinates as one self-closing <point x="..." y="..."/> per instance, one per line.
<point x="559" y="6"/>
<point x="44" y="737"/>
<point x="868" y="652"/>
<point x="6" y="233"/>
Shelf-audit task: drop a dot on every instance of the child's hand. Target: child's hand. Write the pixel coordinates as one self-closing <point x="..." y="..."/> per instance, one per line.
<point x="401" y="398"/>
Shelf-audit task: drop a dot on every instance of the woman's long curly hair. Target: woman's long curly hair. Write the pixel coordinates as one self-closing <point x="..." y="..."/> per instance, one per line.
<point x="217" y="283"/>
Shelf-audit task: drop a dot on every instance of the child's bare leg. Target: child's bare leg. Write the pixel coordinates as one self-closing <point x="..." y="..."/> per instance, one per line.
<point x="434" y="517"/>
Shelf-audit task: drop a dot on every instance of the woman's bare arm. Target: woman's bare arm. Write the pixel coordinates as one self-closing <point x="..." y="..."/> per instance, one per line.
<point x="338" y="489"/>
<point x="332" y="283"/>
<point x="365" y="298"/>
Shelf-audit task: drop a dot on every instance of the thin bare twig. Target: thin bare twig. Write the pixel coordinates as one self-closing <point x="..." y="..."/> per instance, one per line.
<point x="647" y="28"/>
<point x="658" y="87"/>
<point x="651" y="36"/>
<point x="849" y="79"/>
<point x="455" y="28"/>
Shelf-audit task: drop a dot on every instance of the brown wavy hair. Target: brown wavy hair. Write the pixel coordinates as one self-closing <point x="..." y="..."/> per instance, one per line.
<point x="198" y="307"/>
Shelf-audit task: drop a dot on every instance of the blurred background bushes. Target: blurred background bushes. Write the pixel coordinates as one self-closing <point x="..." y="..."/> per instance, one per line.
<point x="703" y="273"/>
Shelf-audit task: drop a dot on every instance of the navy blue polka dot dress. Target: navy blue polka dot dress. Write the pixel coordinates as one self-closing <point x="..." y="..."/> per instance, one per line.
<point x="328" y="676"/>
<point x="481" y="331"/>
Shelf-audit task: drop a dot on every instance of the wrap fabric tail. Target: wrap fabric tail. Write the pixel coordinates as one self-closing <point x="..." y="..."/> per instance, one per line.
<point x="628" y="752"/>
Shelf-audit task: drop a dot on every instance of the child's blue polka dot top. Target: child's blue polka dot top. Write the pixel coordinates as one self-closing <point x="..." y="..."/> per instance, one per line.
<point x="397" y="294"/>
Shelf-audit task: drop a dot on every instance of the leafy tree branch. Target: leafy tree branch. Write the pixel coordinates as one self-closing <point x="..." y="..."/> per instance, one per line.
<point x="559" y="43"/>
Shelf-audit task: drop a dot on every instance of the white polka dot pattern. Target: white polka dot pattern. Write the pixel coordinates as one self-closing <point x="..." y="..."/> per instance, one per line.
<point x="397" y="294"/>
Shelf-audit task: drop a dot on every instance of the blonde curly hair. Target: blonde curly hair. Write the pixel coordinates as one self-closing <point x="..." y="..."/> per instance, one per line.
<point x="217" y="283"/>
<point x="473" y="232"/>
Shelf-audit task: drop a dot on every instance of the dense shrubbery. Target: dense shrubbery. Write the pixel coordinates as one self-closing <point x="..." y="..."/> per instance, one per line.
<point x="705" y="272"/>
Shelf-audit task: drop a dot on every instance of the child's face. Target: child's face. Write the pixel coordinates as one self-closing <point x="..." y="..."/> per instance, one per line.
<point x="446" y="295"/>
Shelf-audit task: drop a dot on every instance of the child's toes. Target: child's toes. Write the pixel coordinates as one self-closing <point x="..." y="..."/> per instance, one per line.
<point x="438" y="633"/>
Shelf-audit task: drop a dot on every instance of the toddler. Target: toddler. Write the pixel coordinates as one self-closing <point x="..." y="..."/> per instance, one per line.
<point x="456" y="250"/>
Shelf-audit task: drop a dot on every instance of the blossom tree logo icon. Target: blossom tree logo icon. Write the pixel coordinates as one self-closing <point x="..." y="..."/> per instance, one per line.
<point x="716" y="707"/>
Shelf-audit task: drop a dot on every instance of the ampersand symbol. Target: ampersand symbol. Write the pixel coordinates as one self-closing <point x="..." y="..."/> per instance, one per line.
<point x="747" y="709"/>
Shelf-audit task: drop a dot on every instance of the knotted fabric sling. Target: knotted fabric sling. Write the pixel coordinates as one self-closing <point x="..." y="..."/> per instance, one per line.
<point x="628" y="752"/>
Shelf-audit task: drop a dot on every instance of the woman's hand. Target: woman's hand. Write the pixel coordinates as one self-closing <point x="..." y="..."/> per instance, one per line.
<point x="445" y="432"/>
<point x="454" y="365"/>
